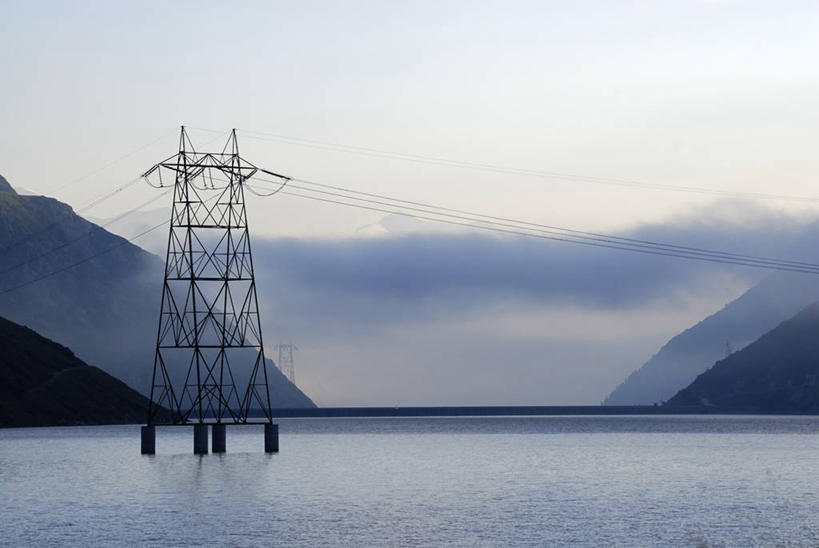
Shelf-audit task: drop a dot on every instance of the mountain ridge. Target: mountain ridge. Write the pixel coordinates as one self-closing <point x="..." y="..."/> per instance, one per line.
<point x="105" y="309"/>
<point x="42" y="383"/>
<point x="779" y="372"/>
<point x="5" y="186"/>
<point x="689" y="353"/>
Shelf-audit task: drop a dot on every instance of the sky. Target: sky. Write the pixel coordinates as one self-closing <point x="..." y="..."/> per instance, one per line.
<point x="720" y="95"/>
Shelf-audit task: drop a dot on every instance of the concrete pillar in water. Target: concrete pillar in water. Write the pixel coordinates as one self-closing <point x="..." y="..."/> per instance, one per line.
<point x="271" y="438"/>
<point x="200" y="439"/>
<point x="148" y="440"/>
<point x="219" y="441"/>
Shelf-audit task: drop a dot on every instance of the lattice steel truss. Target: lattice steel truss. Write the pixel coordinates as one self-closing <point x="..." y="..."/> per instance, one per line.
<point x="285" y="360"/>
<point x="209" y="362"/>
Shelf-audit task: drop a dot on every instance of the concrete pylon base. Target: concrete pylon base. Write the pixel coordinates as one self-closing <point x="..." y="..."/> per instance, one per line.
<point x="219" y="440"/>
<point x="200" y="439"/>
<point x="271" y="438"/>
<point x="148" y="440"/>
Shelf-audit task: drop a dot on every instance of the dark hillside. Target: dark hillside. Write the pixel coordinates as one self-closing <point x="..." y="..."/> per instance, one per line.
<point x="777" y="373"/>
<point x="760" y="309"/>
<point x="43" y="383"/>
<point x="106" y="308"/>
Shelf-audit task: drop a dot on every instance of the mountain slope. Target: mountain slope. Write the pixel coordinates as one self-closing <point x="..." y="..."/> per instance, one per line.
<point x="677" y="364"/>
<point x="43" y="383"/>
<point x="105" y="309"/>
<point x="776" y="373"/>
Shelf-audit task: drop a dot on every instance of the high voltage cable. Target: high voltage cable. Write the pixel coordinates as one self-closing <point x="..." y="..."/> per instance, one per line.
<point x="549" y="227"/>
<point x="95" y="202"/>
<point x="556" y="238"/>
<point x="85" y="260"/>
<point x="100" y="199"/>
<point x="561" y="234"/>
<point x="549" y="231"/>
<point x="112" y="162"/>
<point x="95" y="255"/>
<point x="86" y="234"/>
<point x="509" y="170"/>
<point x="565" y="234"/>
<point x="454" y="217"/>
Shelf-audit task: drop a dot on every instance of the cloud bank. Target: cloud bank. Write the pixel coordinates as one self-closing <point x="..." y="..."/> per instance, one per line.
<point x="426" y="275"/>
<point x="471" y="318"/>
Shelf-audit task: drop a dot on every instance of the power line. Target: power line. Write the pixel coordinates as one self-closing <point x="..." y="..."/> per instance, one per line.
<point x="95" y="255"/>
<point x="282" y="183"/>
<point x="555" y="238"/>
<point x="509" y="170"/>
<point x="113" y="162"/>
<point x="100" y="199"/>
<point x="70" y="215"/>
<point x="527" y="224"/>
<point x="554" y="233"/>
<point x="513" y="226"/>
<point x="86" y="234"/>
<point x="85" y="260"/>
<point x="458" y="216"/>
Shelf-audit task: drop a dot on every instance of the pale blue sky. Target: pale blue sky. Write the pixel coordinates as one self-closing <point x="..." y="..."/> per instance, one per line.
<point x="715" y="94"/>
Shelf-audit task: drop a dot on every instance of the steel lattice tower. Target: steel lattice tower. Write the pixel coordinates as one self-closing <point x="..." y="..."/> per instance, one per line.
<point x="285" y="361"/>
<point x="209" y="362"/>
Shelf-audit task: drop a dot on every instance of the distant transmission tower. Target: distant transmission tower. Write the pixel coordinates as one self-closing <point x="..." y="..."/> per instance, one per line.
<point x="209" y="361"/>
<point x="285" y="361"/>
<point x="728" y="349"/>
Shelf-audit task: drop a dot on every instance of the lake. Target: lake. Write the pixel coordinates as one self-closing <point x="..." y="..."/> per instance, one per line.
<point x="488" y="481"/>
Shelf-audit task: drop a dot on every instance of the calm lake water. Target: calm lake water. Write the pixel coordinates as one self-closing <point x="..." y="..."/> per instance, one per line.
<point x="676" y="481"/>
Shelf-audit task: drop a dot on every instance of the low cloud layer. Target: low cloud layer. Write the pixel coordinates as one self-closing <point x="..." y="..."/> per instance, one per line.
<point x="473" y="318"/>
<point x="434" y="273"/>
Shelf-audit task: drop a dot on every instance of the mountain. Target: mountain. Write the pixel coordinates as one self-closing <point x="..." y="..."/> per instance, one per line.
<point x="774" y="299"/>
<point x="105" y="308"/>
<point x="776" y="373"/>
<point x="154" y="242"/>
<point x="43" y="383"/>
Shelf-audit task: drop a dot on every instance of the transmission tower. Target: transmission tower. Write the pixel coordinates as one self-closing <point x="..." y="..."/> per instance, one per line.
<point x="209" y="361"/>
<point x="285" y="361"/>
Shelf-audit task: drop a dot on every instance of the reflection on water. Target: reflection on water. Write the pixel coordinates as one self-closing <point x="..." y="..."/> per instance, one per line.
<point x="427" y="481"/>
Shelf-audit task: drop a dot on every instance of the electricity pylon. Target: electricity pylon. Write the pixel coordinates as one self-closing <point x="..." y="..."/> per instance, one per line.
<point x="209" y="361"/>
<point x="285" y="361"/>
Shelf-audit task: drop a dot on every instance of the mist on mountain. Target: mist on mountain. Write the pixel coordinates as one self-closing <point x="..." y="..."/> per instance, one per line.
<point x="777" y="373"/>
<point x="92" y="291"/>
<point x="739" y="323"/>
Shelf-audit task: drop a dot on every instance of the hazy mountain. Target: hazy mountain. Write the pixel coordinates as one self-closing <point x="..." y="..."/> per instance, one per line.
<point x="106" y="308"/>
<point x="43" y="383"/>
<point x="776" y="373"/>
<point x="677" y="364"/>
<point x="154" y="242"/>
